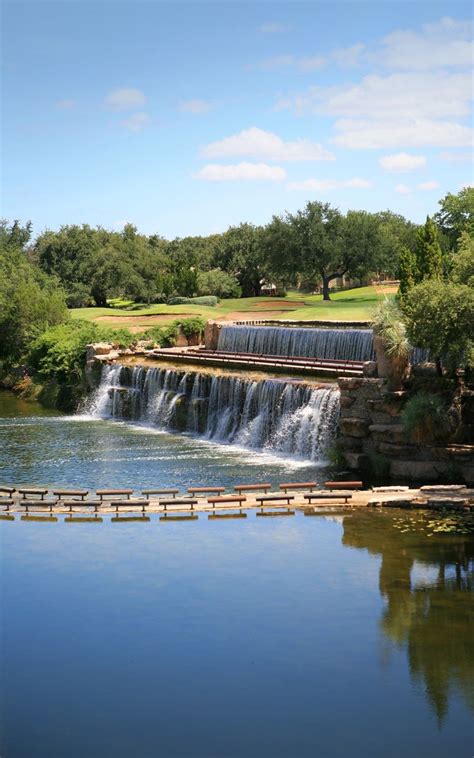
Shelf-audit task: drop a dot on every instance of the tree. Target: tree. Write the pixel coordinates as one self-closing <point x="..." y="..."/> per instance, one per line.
<point x="239" y="253"/>
<point x="456" y="215"/>
<point x="429" y="257"/>
<point x="320" y="244"/>
<point x="30" y="301"/>
<point x="396" y="234"/>
<point x="407" y="270"/>
<point x="440" y="317"/>
<point x="462" y="263"/>
<point x="219" y="283"/>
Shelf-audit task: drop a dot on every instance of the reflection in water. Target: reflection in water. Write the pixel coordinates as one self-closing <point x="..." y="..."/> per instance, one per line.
<point x="432" y="617"/>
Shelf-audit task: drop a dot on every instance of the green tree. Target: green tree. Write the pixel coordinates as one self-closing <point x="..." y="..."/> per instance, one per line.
<point x="462" y="264"/>
<point x="456" y="215"/>
<point x="30" y="301"/>
<point x="407" y="270"/>
<point x="319" y="244"/>
<point x="429" y="257"/>
<point x="239" y="253"/>
<point x="396" y="234"/>
<point x="440" y="317"/>
<point x="219" y="283"/>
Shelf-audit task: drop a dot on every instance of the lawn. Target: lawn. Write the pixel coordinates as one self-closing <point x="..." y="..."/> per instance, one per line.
<point x="351" y="305"/>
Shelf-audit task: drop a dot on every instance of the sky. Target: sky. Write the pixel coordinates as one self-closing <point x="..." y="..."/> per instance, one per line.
<point x="184" y="118"/>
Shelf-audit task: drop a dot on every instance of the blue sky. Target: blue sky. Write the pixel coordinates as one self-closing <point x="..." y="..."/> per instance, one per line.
<point x="185" y="118"/>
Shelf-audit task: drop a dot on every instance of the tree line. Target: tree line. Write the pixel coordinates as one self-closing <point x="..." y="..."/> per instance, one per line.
<point x="307" y="249"/>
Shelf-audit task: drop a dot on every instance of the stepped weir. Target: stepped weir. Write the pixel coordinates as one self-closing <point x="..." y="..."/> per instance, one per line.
<point x="279" y="416"/>
<point x="323" y="344"/>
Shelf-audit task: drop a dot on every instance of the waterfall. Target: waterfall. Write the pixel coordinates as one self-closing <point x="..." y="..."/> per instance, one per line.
<point x="336" y="344"/>
<point x="279" y="416"/>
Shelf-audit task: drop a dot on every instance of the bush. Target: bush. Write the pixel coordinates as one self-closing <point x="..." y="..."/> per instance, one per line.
<point x="388" y="324"/>
<point x="218" y="282"/>
<point x="440" y="317"/>
<point x="425" y="418"/>
<point x="192" y="326"/>
<point x="209" y="300"/>
<point x="166" y="335"/>
<point x="60" y="352"/>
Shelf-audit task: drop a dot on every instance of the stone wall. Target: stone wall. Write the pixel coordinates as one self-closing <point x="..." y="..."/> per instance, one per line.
<point x="371" y="434"/>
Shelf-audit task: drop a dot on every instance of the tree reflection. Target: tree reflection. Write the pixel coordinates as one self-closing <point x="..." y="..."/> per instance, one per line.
<point x="433" y="618"/>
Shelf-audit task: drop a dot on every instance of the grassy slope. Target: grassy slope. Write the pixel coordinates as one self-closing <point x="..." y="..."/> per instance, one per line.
<point x="357" y="304"/>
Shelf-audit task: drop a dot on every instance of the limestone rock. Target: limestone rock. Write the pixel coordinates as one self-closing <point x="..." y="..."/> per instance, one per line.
<point x="354" y="427"/>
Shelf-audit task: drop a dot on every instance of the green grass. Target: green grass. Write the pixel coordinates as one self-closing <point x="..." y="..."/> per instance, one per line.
<point x="351" y="305"/>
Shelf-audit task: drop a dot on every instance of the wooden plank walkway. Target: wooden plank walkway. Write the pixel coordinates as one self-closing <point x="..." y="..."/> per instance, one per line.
<point x="455" y="498"/>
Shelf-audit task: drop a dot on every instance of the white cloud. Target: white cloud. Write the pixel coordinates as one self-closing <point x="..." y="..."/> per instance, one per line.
<point x="445" y="43"/>
<point x="258" y="143"/>
<point x="66" y="104"/>
<point x="194" y="106"/>
<point x="402" y="189"/>
<point x="274" y="27"/>
<point x="456" y="157"/>
<point x="305" y="64"/>
<point x="136" y="122"/>
<point x="428" y="186"/>
<point x="311" y="64"/>
<point x="217" y="172"/>
<point x="366" y="135"/>
<point x="401" y="95"/>
<point x="349" y="56"/>
<point x="424" y="101"/>
<point x="125" y="99"/>
<point x="323" y="185"/>
<point x="402" y="163"/>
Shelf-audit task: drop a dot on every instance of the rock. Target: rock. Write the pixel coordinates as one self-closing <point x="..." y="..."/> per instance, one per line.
<point x="97" y="348"/>
<point x="396" y="450"/>
<point x="442" y="487"/>
<point x="388" y="432"/>
<point x="346" y="401"/>
<point x="370" y="368"/>
<point x="356" y="460"/>
<point x="451" y="503"/>
<point x="390" y="489"/>
<point x="424" y="369"/>
<point x="422" y="471"/>
<point x="181" y="340"/>
<point x="211" y="334"/>
<point x="354" y="427"/>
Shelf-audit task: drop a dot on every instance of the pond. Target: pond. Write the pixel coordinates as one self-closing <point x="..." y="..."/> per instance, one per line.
<point x="343" y="634"/>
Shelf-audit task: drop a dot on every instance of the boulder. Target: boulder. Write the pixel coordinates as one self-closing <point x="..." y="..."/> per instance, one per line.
<point x="354" y="427"/>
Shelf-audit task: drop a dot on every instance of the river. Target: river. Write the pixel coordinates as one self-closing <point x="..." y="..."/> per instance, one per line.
<point x="345" y="634"/>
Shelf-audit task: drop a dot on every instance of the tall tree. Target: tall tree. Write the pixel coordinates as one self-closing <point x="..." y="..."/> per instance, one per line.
<point x="429" y="257"/>
<point x="456" y="215"/>
<point x="407" y="270"/>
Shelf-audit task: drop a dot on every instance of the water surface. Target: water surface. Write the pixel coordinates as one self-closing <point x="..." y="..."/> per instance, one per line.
<point x="295" y="637"/>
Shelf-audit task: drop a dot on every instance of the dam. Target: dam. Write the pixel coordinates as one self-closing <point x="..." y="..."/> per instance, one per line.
<point x="288" y="417"/>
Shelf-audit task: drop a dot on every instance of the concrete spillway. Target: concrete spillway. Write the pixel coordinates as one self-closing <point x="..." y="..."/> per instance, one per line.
<point x="338" y="344"/>
<point x="294" y="418"/>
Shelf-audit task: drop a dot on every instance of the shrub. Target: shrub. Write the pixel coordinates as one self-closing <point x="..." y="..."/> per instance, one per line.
<point x="209" y="300"/>
<point x="425" y="418"/>
<point x="388" y="324"/>
<point x="440" y="317"/>
<point x="191" y="326"/>
<point x="60" y="352"/>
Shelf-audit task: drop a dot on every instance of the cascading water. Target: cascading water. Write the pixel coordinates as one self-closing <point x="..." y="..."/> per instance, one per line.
<point x="335" y="344"/>
<point x="274" y="415"/>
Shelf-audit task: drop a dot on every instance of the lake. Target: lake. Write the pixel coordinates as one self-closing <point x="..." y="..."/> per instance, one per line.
<point x="343" y="634"/>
